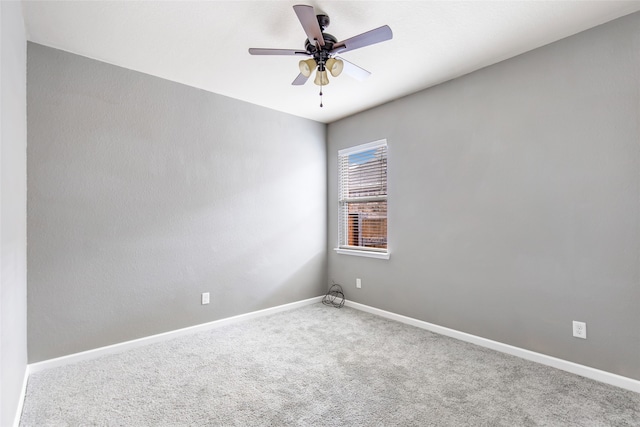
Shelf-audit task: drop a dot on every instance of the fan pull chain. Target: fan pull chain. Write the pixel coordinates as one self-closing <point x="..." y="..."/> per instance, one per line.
<point x="321" y="95"/>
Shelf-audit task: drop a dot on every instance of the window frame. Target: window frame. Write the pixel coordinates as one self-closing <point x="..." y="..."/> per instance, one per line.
<point x="370" y="252"/>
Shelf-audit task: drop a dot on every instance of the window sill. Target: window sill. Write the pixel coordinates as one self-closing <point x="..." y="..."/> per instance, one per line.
<point x="367" y="254"/>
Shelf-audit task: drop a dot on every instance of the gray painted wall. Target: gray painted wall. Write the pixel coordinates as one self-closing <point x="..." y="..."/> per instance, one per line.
<point x="144" y="193"/>
<point x="13" y="211"/>
<point x="514" y="201"/>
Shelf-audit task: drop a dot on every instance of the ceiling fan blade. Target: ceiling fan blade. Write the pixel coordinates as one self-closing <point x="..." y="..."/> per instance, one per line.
<point x="307" y="17"/>
<point x="353" y="70"/>
<point x="300" y="80"/>
<point x="365" y="39"/>
<point x="259" y="51"/>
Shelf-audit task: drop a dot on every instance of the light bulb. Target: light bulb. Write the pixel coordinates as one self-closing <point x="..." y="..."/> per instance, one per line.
<point x="335" y="66"/>
<point x="321" y="78"/>
<point x="307" y="66"/>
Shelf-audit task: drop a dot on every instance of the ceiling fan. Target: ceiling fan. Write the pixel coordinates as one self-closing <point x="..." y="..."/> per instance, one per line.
<point x="323" y="48"/>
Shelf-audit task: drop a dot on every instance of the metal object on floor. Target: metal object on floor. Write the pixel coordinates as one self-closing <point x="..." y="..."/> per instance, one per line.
<point x="335" y="296"/>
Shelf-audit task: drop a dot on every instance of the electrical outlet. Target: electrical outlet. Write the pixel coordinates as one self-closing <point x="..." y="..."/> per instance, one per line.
<point x="358" y="283"/>
<point x="580" y="330"/>
<point x="205" y="298"/>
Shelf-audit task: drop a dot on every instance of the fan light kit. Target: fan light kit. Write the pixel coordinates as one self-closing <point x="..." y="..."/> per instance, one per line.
<point x="323" y="48"/>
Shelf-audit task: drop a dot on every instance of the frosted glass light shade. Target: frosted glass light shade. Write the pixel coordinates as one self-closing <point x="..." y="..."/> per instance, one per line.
<point x="321" y="78"/>
<point x="335" y="66"/>
<point x="307" y="66"/>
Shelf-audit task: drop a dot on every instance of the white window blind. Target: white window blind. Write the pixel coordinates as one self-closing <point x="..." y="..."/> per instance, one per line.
<point x="363" y="197"/>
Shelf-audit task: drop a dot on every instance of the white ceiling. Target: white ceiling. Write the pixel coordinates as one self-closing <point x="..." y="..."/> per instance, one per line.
<point x="204" y="44"/>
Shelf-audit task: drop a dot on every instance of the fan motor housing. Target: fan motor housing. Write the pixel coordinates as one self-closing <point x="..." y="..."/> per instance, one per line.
<point x="329" y="41"/>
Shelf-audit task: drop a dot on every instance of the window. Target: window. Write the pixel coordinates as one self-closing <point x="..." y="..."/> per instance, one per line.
<point x="362" y="193"/>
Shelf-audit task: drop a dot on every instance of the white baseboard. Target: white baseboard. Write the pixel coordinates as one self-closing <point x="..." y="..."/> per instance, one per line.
<point x="23" y="395"/>
<point x="123" y="346"/>
<point x="574" y="368"/>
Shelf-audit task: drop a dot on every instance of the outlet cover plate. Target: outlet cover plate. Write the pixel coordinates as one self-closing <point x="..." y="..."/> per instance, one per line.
<point x="205" y="298"/>
<point x="580" y="330"/>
